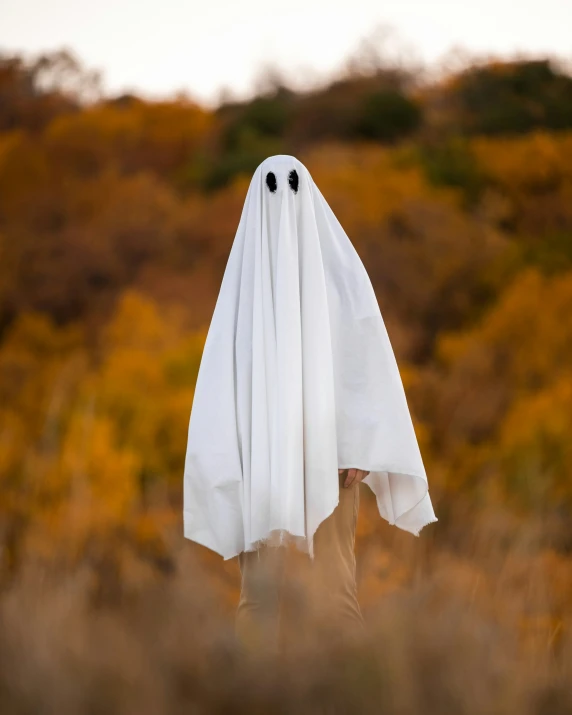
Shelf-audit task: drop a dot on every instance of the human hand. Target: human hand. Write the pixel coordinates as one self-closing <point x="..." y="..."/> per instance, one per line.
<point x="354" y="476"/>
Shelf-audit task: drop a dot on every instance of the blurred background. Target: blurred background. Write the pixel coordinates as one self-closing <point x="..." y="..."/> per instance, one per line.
<point x="441" y="136"/>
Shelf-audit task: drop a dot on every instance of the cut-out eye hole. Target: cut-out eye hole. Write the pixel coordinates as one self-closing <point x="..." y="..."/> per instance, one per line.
<point x="293" y="180"/>
<point x="271" y="181"/>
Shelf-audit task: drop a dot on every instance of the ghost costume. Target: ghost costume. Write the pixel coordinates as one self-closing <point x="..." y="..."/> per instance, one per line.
<point x="297" y="380"/>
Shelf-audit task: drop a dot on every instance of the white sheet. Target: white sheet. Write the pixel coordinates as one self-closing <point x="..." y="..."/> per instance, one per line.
<point x="297" y="379"/>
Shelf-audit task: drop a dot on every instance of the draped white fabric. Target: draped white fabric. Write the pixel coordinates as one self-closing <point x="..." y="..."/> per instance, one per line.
<point x="297" y="379"/>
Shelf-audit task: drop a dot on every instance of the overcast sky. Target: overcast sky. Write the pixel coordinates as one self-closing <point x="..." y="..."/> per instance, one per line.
<point x="159" y="47"/>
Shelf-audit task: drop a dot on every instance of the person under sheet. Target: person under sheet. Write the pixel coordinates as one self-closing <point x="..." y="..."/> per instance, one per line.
<point x="298" y="396"/>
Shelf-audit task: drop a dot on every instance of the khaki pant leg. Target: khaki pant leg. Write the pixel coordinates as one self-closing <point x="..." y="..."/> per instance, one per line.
<point x="334" y="569"/>
<point x="258" y="612"/>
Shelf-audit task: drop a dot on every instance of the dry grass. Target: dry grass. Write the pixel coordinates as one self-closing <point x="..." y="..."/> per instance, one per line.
<point x="481" y="627"/>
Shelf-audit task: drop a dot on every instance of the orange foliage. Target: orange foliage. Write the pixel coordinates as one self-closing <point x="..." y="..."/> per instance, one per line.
<point x="111" y="258"/>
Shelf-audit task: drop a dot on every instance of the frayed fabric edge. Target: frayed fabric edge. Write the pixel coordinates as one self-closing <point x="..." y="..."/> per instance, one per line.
<point x="416" y="533"/>
<point x="279" y="538"/>
<point x="282" y="537"/>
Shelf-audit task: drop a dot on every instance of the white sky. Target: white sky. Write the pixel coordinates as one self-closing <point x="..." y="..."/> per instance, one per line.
<point x="160" y="47"/>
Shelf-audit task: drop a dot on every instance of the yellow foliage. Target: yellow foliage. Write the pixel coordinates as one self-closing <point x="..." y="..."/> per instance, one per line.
<point x="533" y="161"/>
<point x="525" y="338"/>
<point x="503" y="403"/>
<point x="366" y="184"/>
<point x="534" y="173"/>
<point x="163" y="133"/>
<point x="81" y="444"/>
<point x="534" y="444"/>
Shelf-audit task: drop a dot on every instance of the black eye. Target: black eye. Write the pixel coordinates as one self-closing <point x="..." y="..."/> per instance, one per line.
<point x="271" y="181"/>
<point x="293" y="180"/>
